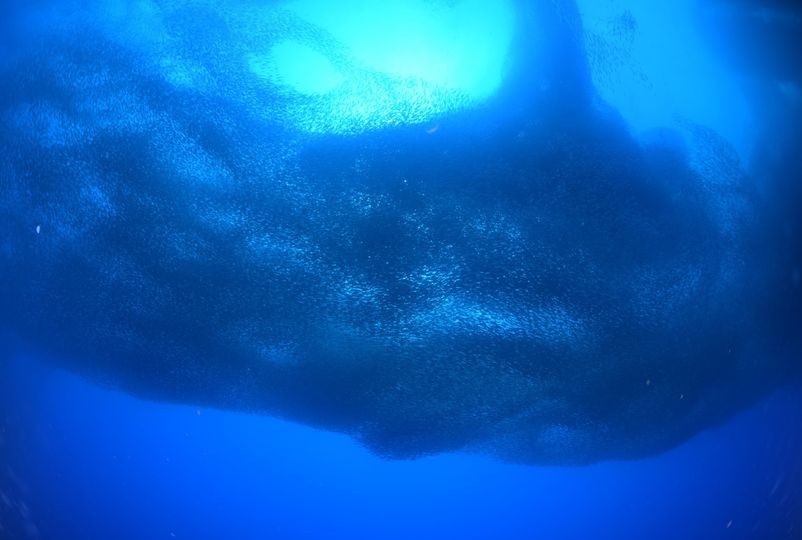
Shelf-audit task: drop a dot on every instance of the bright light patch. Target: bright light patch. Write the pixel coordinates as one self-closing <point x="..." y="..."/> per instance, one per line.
<point x="389" y="63"/>
<point x="454" y="45"/>
<point x="298" y="66"/>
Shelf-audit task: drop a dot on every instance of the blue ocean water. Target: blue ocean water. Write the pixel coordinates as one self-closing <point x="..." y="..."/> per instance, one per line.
<point x="87" y="462"/>
<point x="306" y="269"/>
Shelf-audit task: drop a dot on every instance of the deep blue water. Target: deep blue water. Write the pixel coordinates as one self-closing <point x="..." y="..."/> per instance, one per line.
<point x="401" y="269"/>
<point x="92" y="463"/>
